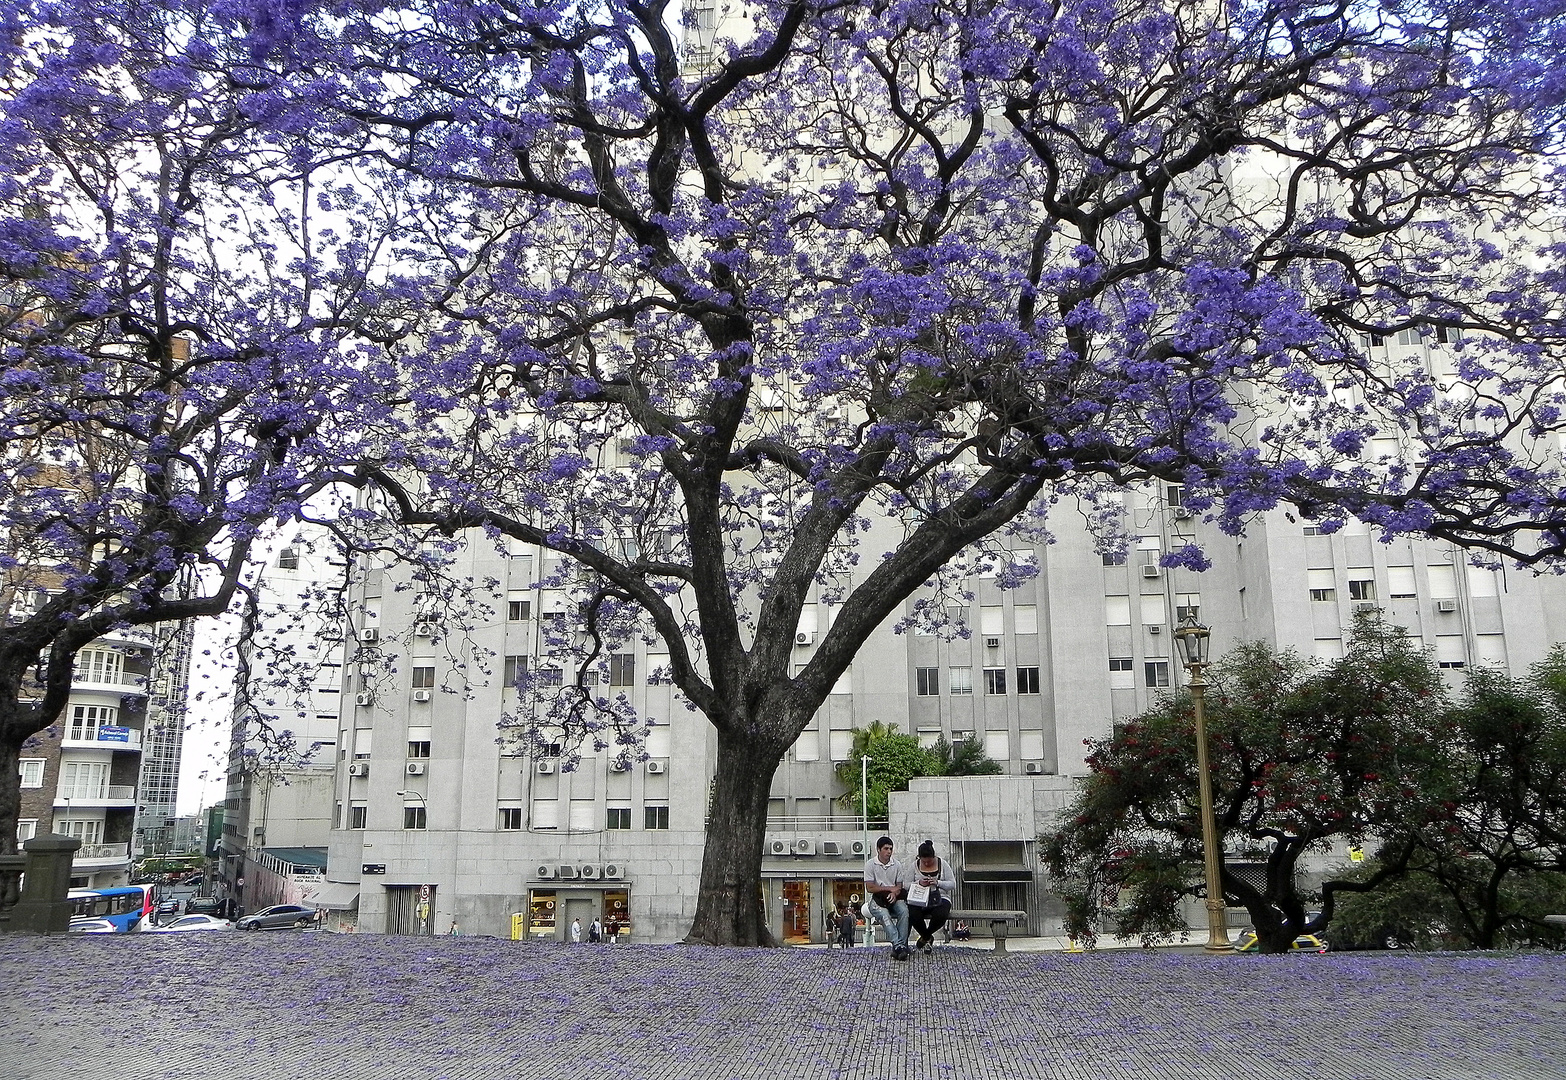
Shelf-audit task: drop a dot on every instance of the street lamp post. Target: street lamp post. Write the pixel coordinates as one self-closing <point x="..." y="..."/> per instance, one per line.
<point x="1192" y="638"/>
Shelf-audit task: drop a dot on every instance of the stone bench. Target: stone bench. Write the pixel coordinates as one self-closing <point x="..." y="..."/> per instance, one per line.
<point x="1000" y="921"/>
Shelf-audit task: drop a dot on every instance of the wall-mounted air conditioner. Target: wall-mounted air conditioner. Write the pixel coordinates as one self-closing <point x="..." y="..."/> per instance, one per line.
<point x="422" y="629"/>
<point x="1446" y="605"/>
<point x="619" y="766"/>
<point x="588" y="872"/>
<point x="804" y="846"/>
<point x="1365" y="605"/>
<point x="369" y="633"/>
<point x="831" y="847"/>
<point x="362" y="698"/>
<point x="415" y="768"/>
<point x="1152" y="570"/>
<point x="1155" y="628"/>
<point x="804" y="637"/>
<point x="992" y="643"/>
<point x="860" y="848"/>
<point x="359" y="768"/>
<point x="1183" y="513"/>
<point x="780" y="847"/>
<point x="657" y="767"/>
<point x="613" y="871"/>
<point x="1033" y="768"/>
<point x="566" y="873"/>
<point x="421" y="695"/>
<point x="545" y="873"/>
<point x="544" y="768"/>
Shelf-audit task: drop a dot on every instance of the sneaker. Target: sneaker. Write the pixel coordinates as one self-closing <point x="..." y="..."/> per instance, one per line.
<point x="927" y="942"/>
<point x="900" y="953"/>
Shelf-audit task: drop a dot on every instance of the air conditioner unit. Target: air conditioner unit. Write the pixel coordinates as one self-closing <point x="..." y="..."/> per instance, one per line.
<point x="1033" y="768"/>
<point x="589" y="872"/>
<point x="1446" y="605"/>
<point x="544" y="768"/>
<point x="1183" y="513"/>
<point x="804" y="846"/>
<point x="619" y="766"/>
<point x="415" y="768"/>
<point x="992" y="643"/>
<point x="1152" y="570"/>
<point x="566" y="873"/>
<point x="613" y="872"/>
<point x="1155" y="628"/>
<point x="831" y="847"/>
<point x="860" y="848"/>
<point x="421" y="695"/>
<point x="369" y="633"/>
<point x="657" y="767"/>
<point x="421" y="629"/>
<point x="359" y="768"/>
<point x="545" y="873"/>
<point x="362" y="699"/>
<point x="779" y="847"/>
<point x="1365" y="605"/>
<point x="804" y="637"/>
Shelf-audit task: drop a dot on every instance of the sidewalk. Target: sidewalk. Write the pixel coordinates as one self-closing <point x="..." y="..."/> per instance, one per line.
<point x="288" y="1006"/>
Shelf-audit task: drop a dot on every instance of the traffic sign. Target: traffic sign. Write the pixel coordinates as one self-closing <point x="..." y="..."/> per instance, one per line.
<point x="424" y="892"/>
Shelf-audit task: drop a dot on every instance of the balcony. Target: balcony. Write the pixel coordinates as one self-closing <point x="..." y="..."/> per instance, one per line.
<point x="124" y="682"/>
<point x="96" y="854"/>
<point x="112" y="796"/>
<point x="104" y="738"/>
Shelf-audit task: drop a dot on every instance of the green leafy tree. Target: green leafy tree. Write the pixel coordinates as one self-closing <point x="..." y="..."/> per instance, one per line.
<point x="963" y="758"/>
<point x="1301" y="755"/>
<point x="895" y="759"/>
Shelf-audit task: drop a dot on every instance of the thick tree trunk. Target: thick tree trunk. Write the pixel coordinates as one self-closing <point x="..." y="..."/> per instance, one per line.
<point x="10" y="811"/>
<point x="729" y="908"/>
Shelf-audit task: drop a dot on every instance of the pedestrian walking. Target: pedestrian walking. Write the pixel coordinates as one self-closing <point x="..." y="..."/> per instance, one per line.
<point x="595" y="932"/>
<point x="576" y="931"/>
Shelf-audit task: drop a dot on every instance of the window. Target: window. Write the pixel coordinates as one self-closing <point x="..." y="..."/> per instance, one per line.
<point x="995" y="681"/>
<point x="1400" y="582"/>
<point x="99" y="666"/>
<point x="26" y="829"/>
<point x="1122" y="673"/>
<point x="1311" y="530"/>
<point x="929" y="681"/>
<point x="1362" y="589"/>
<point x="86" y="720"/>
<point x="423" y="678"/>
<point x="288" y="559"/>
<point x="620" y="817"/>
<point x="961" y="680"/>
<point x="551" y="676"/>
<point x="519" y="610"/>
<point x="84" y="779"/>
<point x="1119" y="663"/>
<point x="510" y="818"/>
<point x="358" y="814"/>
<point x="413" y="817"/>
<point x="1174" y="495"/>
<point x="657" y="817"/>
<point x="622" y="669"/>
<point x="1323" y="587"/>
<point x="1027" y="680"/>
<point x="516" y="667"/>
<point x="33" y="772"/>
<point x="1157" y="672"/>
<point x="337" y="816"/>
<point x="1025" y="618"/>
<point x="419" y="748"/>
<point x="1114" y="558"/>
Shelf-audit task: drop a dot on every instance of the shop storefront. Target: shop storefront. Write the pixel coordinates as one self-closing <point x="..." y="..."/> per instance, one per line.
<point x="550" y="912"/>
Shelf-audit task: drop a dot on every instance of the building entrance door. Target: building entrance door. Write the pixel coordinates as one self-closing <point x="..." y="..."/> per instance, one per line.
<point x="796" y="912"/>
<point x="577" y="907"/>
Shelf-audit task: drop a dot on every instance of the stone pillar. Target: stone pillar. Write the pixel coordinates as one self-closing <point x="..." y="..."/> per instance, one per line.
<point x="44" y="907"/>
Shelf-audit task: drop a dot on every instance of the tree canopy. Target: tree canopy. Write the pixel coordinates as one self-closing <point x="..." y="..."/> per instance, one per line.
<point x="831" y="297"/>
<point x="1300" y="756"/>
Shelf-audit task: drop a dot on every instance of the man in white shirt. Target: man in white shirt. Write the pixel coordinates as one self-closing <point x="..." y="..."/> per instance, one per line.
<point x="886" y="885"/>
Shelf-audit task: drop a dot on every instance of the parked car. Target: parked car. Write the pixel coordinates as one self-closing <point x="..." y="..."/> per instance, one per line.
<point x="203" y="905"/>
<point x="1385" y="938"/>
<point x="276" y="917"/>
<point x="194" y="879"/>
<point x="1304" y="943"/>
<point x="169" y="906"/>
<point x="93" y="926"/>
<point x="186" y="923"/>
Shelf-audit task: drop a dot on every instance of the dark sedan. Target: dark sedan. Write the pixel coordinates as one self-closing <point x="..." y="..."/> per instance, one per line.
<point x="276" y="917"/>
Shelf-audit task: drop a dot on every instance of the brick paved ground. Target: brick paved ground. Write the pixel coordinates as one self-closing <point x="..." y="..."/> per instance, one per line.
<point x="287" y="1005"/>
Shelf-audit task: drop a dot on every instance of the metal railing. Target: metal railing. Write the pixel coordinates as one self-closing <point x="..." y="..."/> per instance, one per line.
<point x="93" y="737"/>
<point x="103" y="851"/>
<point x="818" y="824"/>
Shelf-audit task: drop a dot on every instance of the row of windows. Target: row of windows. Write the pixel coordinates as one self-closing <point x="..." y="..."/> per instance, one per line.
<point x="927" y="681"/>
<point x="622" y="672"/>
<point x="510" y="817"/>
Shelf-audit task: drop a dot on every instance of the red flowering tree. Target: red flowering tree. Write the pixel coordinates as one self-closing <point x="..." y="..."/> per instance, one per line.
<point x="1301" y="755"/>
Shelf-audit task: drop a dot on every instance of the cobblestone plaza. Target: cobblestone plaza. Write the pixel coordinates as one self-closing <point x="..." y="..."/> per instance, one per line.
<point x="315" y="1005"/>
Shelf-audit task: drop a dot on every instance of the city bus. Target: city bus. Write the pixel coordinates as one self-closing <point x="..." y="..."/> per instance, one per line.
<point x="124" y="906"/>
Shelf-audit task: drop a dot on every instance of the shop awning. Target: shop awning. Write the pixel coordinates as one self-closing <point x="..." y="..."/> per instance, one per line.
<point x="331" y="895"/>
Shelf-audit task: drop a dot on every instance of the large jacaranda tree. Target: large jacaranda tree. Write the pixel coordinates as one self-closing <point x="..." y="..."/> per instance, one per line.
<point x="726" y="305"/>
<point x="826" y="294"/>
<point x="178" y="301"/>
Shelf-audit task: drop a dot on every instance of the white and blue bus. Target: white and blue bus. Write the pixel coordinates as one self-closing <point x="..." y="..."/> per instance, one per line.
<point x="125" y="906"/>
